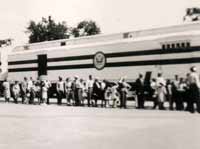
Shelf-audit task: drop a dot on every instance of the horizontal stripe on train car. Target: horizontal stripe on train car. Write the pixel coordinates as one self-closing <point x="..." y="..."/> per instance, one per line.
<point x="72" y="58"/>
<point x="112" y="55"/>
<point x="22" y="62"/>
<point x="23" y="69"/>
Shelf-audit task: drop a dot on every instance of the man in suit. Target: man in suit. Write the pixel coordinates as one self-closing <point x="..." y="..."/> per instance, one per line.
<point x="140" y="91"/>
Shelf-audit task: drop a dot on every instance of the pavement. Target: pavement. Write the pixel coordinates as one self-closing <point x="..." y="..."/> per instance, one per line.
<point x="62" y="127"/>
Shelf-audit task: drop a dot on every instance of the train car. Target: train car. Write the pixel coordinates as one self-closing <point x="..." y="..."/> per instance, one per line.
<point x="170" y="50"/>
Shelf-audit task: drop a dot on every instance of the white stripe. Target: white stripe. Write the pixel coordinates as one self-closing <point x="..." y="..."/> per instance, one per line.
<point x="75" y="62"/>
<point x="22" y="66"/>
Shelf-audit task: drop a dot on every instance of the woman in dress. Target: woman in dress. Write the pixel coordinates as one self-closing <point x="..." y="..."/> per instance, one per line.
<point x="6" y="86"/>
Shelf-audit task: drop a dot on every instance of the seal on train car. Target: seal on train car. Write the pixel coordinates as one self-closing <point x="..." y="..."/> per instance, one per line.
<point x="99" y="60"/>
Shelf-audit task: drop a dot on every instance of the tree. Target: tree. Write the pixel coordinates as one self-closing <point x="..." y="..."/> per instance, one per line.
<point x="46" y="30"/>
<point x="192" y="14"/>
<point x="85" y="28"/>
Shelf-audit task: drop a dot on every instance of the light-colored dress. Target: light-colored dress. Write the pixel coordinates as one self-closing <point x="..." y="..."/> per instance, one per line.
<point x="6" y="86"/>
<point x="161" y="89"/>
<point x="16" y="90"/>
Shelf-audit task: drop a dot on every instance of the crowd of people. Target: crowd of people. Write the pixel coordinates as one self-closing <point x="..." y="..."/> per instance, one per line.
<point x="181" y="93"/>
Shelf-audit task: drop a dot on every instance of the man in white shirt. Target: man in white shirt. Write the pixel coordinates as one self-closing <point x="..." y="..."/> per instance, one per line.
<point x="90" y="84"/>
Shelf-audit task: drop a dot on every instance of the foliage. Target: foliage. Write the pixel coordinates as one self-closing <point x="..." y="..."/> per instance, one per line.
<point x="86" y="28"/>
<point x="47" y="30"/>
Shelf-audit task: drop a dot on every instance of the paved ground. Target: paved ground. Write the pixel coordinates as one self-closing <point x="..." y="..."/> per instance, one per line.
<point x="51" y="127"/>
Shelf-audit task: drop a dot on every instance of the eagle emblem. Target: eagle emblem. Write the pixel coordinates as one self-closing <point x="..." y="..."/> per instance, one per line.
<point x="99" y="60"/>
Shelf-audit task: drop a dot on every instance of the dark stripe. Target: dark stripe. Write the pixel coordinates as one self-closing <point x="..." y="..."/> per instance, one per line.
<point x="83" y="66"/>
<point x="72" y="58"/>
<point x="23" y="69"/>
<point x="152" y="52"/>
<point x="155" y="62"/>
<point x="22" y="62"/>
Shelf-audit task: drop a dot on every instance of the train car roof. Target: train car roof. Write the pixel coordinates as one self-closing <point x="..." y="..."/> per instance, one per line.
<point x="186" y="29"/>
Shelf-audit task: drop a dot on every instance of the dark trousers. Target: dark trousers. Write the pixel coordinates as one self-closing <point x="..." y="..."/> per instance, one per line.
<point x="15" y="98"/>
<point x="23" y="95"/>
<point x="179" y="101"/>
<point x="32" y="97"/>
<point x="193" y="98"/>
<point x="123" y="99"/>
<point x="60" y="95"/>
<point x="140" y="100"/>
<point x="78" y="96"/>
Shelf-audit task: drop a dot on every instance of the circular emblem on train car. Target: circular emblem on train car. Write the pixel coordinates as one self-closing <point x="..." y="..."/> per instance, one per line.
<point x="99" y="60"/>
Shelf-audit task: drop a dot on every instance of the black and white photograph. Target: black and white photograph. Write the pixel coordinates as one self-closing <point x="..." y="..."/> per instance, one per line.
<point x="100" y="74"/>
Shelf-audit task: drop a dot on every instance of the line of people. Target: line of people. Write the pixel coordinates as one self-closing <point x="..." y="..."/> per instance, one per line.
<point x="176" y="92"/>
<point x="77" y="92"/>
<point x="74" y="90"/>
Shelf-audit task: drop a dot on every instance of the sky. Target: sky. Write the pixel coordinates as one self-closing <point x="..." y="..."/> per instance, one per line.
<point x="112" y="16"/>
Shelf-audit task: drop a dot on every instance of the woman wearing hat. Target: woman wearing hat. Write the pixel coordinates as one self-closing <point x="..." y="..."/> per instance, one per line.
<point x="161" y="91"/>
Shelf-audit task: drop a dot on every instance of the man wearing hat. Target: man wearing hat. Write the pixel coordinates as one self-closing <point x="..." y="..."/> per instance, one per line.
<point x="194" y="85"/>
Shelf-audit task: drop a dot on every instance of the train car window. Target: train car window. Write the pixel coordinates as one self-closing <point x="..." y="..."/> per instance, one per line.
<point x="126" y="35"/>
<point x="173" y="46"/>
<point x="163" y="46"/>
<point x="62" y="43"/>
<point x="168" y="46"/>
<point x="188" y="44"/>
<point x="178" y="45"/>
<point x="183" y="45"/>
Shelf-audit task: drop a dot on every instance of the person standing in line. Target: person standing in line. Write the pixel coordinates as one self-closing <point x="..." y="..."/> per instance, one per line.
<point x="80" y="92"/>
<point x="187" y="91"/>
<point x="154" y="93"/>
<point x="194" y="85"/>
<point x="31" y="90"/>
<point x="16" y="91"/>
<point x="90" y="84"/>
<point x="181" y="89"/>
<point x="60" y="87"/>
<point x="24" y="90"/>
<point x="96" y="91"/>
<point x="68" y="91"/>
<point x="48" y="91"/>
<point x="140" y="91"/>
<point x="6" y="86"/>
<point x="38" y="91"/>
<point x="77" y="91"/>
<point x="103" y="89"/>
<point x="161" y="90"/>
<point x="85" y="92"/>
<point x="169" y="93"/>
<point x="44" y="90"/>
<point x="73" y="90"/>
<point x="175" y="93"/>
<point x="124" y="87"/>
